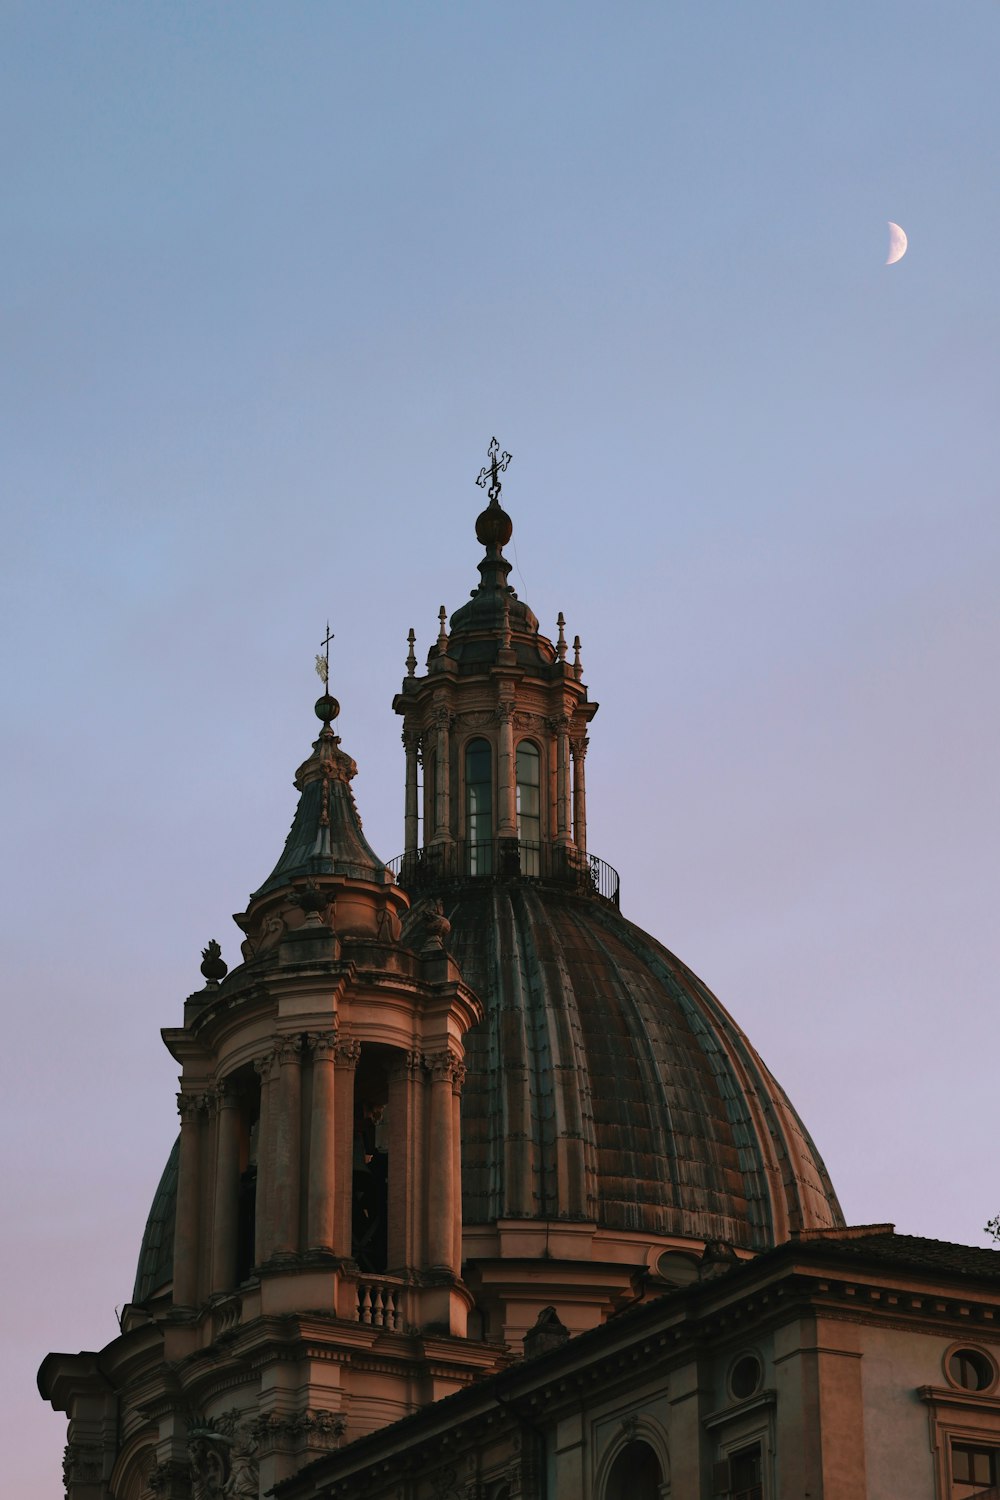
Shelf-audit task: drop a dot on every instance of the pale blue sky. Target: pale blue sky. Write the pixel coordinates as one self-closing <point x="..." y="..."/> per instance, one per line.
<point x="272" y="277"/>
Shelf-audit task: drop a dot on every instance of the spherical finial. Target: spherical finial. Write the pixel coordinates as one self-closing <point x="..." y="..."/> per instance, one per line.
<point x="494" y="527"/>
<point x="327" y="708"/>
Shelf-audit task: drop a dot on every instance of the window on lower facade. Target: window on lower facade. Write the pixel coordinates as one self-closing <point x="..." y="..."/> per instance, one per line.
<point x="973" y="1472"/>
<point x="746" y="1474"/>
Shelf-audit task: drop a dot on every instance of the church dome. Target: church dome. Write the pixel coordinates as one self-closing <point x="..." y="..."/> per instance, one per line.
<point x="608" y="1084"/>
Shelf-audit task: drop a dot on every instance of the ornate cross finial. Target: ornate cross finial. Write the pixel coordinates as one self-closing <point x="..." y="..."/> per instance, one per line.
<point x="491" y="475"/>
<point x="561" y="642"/>
<point x="323" y="659"/>
<point x="411" y="655"/>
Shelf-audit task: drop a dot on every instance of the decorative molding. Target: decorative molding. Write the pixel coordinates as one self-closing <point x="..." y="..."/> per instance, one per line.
<point x="264" y="1066"/>
<point x="313" y="1431"/>
<point x="289" y="1049"/>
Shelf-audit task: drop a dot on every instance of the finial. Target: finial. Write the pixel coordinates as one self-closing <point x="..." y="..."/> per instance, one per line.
<point x="411" y="656"/>
<point x="497" y="465"/>
<point x="494" y="527"/>
<point x="327" y="707"/>
<point x="213" y="965"/>
<point x="442" y="640"/>
<point x="577" y="664"/>
<point x="561" y="642"/>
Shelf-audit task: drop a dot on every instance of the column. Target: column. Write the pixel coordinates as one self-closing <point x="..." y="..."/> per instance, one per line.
<point x="227" y="1188"/>
<point x="562" y="780"/>
<point x="322" y="1129"/>
<point x="458" y="1078"/>
<point x="579" y="748"/>
<point x="506" y="780"/>
<point x="442" y="776"/>
<point x="406" y="1147"/>
<point x="440" y="1165"/>
<point x="188" y="1188"/>
<point x="263" y="1213"/>
<point x="346" y="1056"/>
<point x="288" y="1147"/>
<point x="411" y="820"/>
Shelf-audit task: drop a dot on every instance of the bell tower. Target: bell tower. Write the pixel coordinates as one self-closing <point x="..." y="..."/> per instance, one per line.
<point x="498" y="724"/>
<point x="316" y="1289"/>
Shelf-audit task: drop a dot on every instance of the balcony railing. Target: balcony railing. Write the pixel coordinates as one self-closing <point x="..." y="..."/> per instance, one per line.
<point x="506" y="859"/>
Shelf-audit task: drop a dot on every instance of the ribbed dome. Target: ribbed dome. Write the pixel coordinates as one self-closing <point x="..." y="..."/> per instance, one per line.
<point x="608" y="1084"/>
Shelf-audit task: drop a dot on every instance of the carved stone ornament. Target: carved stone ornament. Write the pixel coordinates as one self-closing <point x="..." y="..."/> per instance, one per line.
<point x="322" y="1043"/>
<point x="504" y="712"/>
<point x="347" y="1054"/>
<point x="83" y="1463"/>
<point x="444" y="1485"/>
<point x="477" y="718"/>
<point x="436" y="926"/>
<point x="444" y="1065"/>
<point x="524" y="720"/>
<point x="169" y="1479"/>
<point x="314" y="1431"/>
<point x="223" y="1458"/>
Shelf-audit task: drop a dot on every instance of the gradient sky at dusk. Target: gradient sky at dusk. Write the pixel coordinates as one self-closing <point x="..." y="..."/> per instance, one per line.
<point x="273" y="275"/>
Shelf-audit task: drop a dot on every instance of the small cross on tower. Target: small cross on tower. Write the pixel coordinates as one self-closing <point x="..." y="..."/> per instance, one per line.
<point x="323" y="659"/>
<point x="491" y="475"/>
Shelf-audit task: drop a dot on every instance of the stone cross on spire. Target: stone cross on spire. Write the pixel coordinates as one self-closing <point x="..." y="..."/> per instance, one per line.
<point x="491" y="474"/>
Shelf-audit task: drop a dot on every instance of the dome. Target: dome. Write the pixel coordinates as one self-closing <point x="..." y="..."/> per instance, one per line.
<point x="608" y="1084"/>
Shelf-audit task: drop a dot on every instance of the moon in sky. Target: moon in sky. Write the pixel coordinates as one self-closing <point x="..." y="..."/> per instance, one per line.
<point x="897" y="244"/>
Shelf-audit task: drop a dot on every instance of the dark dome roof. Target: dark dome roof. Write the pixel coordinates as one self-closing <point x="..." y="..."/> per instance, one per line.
<point x="608" y="1083"/>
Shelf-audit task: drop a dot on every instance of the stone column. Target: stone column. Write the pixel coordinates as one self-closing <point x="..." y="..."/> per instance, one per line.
<point x="458" y="1078"/>
<point x="288" y="1147"/>
<point x="440" y="1164"/>
<point x="322" y="1135"/>
<point x="411" y="821"/>
<point x="263" y="1212"/>
<point x="506" y="779"/>
<point x="562" y="780"/>
<point x="406" y="1146"/>
<point x="225" y="1226"/>
<point x="579" y="748"/>
<point x="346" y="1056"/>
<point x="442" y="776"/>
<point x="186" y="1226"/>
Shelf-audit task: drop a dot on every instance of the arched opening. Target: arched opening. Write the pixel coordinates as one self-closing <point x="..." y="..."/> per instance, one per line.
<point x="635" y="1474"/>
<point x="246" y="1202"/>
<point x="529" y="808"/>
<point x="479" y="807"/>
<point x="370" y="1180"/>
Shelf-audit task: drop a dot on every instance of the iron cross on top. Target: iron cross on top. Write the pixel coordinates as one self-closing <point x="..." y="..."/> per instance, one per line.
<point x="491" y="475"/>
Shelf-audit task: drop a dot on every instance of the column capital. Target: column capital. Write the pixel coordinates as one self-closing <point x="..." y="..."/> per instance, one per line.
<point x="264" y="1065"/>
<point x="505" y="710"/>
<point x="288" y="1049"/>
<point x="189" y="1106"/>
<point x="445" y="1066"/>
<point x="322" y="1044"/>
<point x="226" y="1093"/>
<point x="579" y="747"/>
<point x="347" y="1054"/>
<point x="411" y="739"/>
<point x="558" y="723"/>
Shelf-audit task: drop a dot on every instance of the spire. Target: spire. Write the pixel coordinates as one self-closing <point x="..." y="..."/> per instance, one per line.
<point x="325" y="836"/>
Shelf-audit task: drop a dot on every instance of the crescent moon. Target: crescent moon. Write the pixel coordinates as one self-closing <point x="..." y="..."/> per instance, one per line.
<point x="897" y="244"/>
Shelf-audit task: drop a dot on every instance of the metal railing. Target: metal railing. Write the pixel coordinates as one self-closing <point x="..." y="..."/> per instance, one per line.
<point x="506" y="859"/>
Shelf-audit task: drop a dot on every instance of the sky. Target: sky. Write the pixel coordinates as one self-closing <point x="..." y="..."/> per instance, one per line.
<point x="273" y="276"/>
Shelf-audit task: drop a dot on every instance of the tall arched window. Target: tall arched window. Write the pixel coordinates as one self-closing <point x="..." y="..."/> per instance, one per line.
<point x="635" y="1474"/>
<point x="479" y="806"/>
<point x="529" y="807"/>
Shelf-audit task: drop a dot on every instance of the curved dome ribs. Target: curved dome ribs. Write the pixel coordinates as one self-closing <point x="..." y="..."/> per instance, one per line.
<point x="562" y="1078"/>
<point x="715" y="1189"/>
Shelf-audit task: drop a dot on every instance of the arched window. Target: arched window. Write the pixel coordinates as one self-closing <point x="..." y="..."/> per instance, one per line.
<point x="479" y="806"/>
<point x="529" y="807"/>
<point x="635" y="1474"/>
